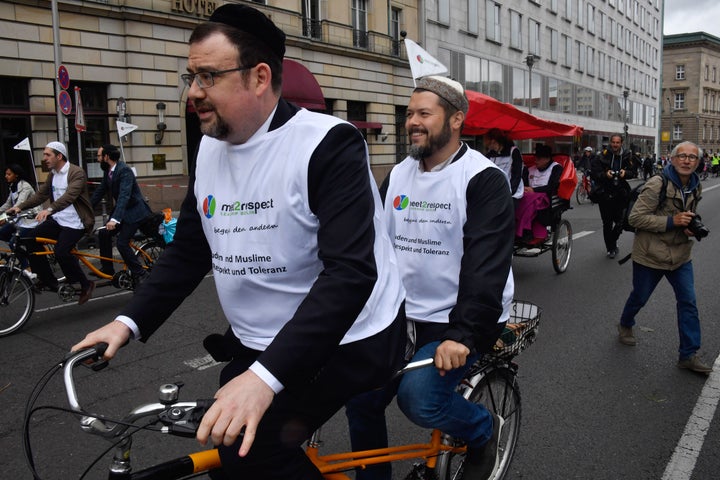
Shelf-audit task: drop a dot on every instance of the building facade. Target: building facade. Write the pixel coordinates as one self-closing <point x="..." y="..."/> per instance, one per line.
<point x="594" y="63"/>
<point x="126" y="56"/>
<point x="691" y="91"/>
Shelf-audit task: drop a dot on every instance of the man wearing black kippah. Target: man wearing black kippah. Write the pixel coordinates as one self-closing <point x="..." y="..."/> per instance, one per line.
<point x="282" y="208"/>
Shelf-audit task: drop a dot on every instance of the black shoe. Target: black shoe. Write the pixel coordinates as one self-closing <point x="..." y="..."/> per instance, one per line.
<point x="46" y="287"/>
<point x="482" y="462"/>
<point x="86" y="293"/>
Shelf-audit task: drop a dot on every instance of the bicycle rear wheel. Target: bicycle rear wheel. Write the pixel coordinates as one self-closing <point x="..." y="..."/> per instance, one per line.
<point x="148" y="253"/>
<point x="17" y="300"/>
<point x="562" y="246"/>
<point x="581" y="194"/>
<point x="498" y="391"/>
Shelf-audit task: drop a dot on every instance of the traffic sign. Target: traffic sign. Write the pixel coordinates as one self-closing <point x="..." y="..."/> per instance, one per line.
<point x="63" y="77"/>
<point x="65" y="102"/>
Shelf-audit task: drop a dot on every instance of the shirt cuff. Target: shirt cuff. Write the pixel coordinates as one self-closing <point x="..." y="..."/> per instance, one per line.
<point x="116" y="221"/>
<point x="130" y="324"/>
<point x="258" y="369"/>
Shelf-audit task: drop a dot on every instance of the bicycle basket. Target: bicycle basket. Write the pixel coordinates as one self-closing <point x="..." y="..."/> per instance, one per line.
<point x="520" y="331"/>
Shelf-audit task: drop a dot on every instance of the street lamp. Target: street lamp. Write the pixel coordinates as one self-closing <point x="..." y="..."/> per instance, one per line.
<point x="626" y="93"/>
<point x="530" y="61"/>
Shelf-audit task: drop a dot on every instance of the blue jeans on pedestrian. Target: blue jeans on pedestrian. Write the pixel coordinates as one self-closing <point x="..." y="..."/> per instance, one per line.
<point x="645" y="279"/>
<point x="429" y="400"/>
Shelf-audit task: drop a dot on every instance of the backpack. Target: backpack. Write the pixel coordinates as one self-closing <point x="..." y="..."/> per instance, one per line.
<point x="634" y="194"/>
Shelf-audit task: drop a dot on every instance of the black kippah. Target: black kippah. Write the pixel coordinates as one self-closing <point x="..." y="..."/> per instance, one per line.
<point x="254" y="22"/>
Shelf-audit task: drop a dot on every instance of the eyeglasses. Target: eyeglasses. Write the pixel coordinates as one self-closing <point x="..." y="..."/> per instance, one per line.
<point x="685" y="156"/>
<point x="207" y="79"/>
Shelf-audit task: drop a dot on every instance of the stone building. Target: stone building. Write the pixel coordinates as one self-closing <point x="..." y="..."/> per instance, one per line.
<point x="691" y="91"/>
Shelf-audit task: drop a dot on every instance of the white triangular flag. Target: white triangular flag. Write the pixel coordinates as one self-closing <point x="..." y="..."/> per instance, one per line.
<point x="24" y="145"/>
<point x="124" y="128"/>
<point x="421" y="62"/>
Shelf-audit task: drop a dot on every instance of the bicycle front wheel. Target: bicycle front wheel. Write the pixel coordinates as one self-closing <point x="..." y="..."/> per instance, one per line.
<point x="17" y="300"/>
<point x="498" y="391"/>
<point x="581" y="194"/>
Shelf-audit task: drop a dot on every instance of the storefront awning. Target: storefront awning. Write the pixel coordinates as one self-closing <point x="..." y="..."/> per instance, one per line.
<point x="300" y="86"/>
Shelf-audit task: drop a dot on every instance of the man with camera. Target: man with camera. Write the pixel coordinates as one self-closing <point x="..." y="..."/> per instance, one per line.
<point x="610" y="171"/>
<point x="662" y="248"/>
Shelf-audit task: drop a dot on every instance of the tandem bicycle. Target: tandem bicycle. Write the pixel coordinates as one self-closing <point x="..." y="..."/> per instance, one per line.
<point x="17" y="289"/>
<point x="492" y="381"/>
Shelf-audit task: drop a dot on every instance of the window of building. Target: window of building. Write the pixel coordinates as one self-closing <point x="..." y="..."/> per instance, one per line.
<point x="492" y="21"/>
<point x="714" y="74"/>
<point x="552" y="94"/>
<point x="534" y="37"/>
<point x="515" y="30"/>
<point x="620" y="32"/>
<point x="395" y="19"/>
<point x="568" y="9"/>
<point x="679" y="103"/>
<point x="14" y="125"/>
<point x="492" y="79"/>
<point x="311" y="19"/>
<point x="580" y="49"/>
<point x="519" y="86"/>
<point x="553" y="6"/>
<point x="580" y="12"/>
<point x="591" y="18"/>
<point x="359" y="23"/>
<point x="619" y="72"/>
<point x="603" y="26"/>
<point x="602" y="60"/>
<point x="679" y="72"/>
<point x="473" y="16"/>
<point x="567" y="48"/>
<point x="443" y="12"/>
<point x="472" y="73"/>
<point x="553" y="45"/>
<point x="591" y="61"/>
<point x="611" y="71"/>
<point x="707" y="72"/>
<point x="705" y="102"/>
<point x="677" y="132"/>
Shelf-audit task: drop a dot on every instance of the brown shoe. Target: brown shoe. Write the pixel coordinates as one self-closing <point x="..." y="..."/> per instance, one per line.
<point x="695" y="364"/>
<point x="626" y="336"/>
<point x="86" y="293"/>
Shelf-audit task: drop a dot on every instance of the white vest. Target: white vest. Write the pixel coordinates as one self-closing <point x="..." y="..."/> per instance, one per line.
<point x="505" y="164"/>
<point x="425" y="213"/>
<point x="537" y="178"/>
<point x="253" y="201"/>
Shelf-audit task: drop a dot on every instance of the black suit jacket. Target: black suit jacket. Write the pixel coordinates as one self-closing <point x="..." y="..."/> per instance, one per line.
<point x="130" y="206"/>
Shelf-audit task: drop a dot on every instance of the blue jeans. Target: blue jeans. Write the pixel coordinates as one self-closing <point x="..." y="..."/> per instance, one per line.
<point x="429" y="400"/>
<point x="645" y="279"/>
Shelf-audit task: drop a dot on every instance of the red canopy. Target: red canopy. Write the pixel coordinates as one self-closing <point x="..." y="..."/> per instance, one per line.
<point x="486" y="112"/>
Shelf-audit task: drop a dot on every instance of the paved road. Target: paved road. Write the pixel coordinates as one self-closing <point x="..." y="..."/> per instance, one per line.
<point x="592" y="408"/>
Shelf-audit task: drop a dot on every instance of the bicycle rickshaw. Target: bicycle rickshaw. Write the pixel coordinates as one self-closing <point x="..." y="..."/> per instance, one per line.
<point x="559" y="240"/>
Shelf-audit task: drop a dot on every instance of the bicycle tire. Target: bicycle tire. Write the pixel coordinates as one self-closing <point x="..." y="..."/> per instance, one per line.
<point x="17" y="300"/>
<point x="581" y="194"/>
<point x="562" y="246"/>
<point x="152" y="251"/>
<point x="496" y="388"/>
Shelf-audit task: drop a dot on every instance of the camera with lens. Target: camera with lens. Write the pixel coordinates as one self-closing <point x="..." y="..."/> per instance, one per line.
<point x="615" y="177"/>
<point x="698" y="228"/>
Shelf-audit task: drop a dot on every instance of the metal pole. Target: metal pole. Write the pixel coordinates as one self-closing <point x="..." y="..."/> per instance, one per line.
<point x="530" y="61"/>
<point x="62" y="137"/>
<point x="672" y="127"/>
<point x="626" y="93"/>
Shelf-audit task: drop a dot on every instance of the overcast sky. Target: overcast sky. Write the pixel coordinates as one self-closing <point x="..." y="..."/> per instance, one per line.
<point x="686" y="16"/>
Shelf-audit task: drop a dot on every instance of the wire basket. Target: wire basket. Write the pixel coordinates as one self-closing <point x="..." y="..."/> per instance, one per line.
<point x="520" y="330"/>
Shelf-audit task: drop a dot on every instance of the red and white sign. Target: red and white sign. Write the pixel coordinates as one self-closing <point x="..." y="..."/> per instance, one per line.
<point x="79" y="115"/>
<point x="63" y="77"/>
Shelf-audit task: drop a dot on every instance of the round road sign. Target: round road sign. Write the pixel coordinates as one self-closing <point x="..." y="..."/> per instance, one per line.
<point x="63" y="77"/>
<point x="65" y="102"/>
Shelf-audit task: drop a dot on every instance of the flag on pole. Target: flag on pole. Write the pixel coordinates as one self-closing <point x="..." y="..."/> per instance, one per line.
<point x="421" y="62"/>
<point x="24" y="145"/>
<point x="124" y="128"/>
<point x="79" y="114"/>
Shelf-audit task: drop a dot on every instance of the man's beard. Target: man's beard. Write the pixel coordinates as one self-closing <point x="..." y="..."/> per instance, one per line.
<point x="418" y="152"/>
<point x="104" y="166"/>
<point x="216" y="129"/>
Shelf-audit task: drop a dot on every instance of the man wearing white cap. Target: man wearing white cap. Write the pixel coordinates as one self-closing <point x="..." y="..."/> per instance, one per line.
<point x="66" y="219"/>
<point x="449" y="211"/>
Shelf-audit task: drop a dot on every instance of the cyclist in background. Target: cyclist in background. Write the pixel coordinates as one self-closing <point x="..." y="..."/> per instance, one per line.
<point x="68" y="217"/>
<point x="310" y="327"/>
<point x="129" y="211"/>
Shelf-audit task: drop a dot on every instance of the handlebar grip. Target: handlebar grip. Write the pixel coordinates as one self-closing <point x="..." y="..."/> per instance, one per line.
<point x="99" y="350"/>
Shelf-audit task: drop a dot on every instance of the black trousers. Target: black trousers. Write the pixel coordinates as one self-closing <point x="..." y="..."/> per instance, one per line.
<point x="611" y="213"/>
<point x="124" y="232"/>
<point x="299" y="410"/>
<point x="66" y="238"/>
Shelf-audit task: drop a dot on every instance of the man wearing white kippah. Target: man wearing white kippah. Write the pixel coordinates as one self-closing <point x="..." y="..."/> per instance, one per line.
<point x="66" y="219"/>
<point x="449" y="211"/>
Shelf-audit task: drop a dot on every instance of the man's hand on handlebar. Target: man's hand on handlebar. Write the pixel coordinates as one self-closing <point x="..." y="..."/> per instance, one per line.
<point x="115" y="334"/>
<point x="239" y="404"/>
